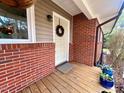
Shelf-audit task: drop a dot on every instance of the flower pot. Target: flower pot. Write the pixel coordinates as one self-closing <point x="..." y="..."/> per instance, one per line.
<point x="106" y="71"/>
<point x="106" y="83"/>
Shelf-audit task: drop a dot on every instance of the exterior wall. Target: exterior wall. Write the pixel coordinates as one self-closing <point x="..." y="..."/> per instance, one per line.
<point x="71" y="53"/>
<point x="44" y="28"/>
<point x="84" y="33"/>
<point x="23" y="64"/>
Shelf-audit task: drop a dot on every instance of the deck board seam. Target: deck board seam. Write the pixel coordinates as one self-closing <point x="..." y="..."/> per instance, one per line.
<point x="30" y="90"/>
<point x="74" y="83"/>
<point x="46" y="87"/>
<point x="77" y="84"/>
<point x="54" y="85"/>
<point x="60" y="84"/>
<point x="38" y="88"/>
<point x="67" y="83"/>
<point x="81" y="79"/>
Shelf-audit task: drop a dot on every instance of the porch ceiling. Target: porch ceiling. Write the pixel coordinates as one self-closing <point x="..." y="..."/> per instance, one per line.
<point x="104" y="10"/>
<point x="101" y="9"/>
<point x="68" y="5"/>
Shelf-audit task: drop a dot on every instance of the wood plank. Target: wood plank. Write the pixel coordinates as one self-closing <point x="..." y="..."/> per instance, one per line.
<point x="87" y="74"/>
<point x="86" y="78"/>
<point x="71" y="82"/>
<point x="42" y="87"/>
<point x="50" y="86"/>
<point x="66" y="85"/>
<point x="26" y="90"/>
<point x="92" y="69"/>
<point x="82" y="79"/>
<point x="34" y="89"/>
<point x="93" y="74"/>
<point x="75" y="80"/>
<point x="87" y="69"/>
<point x="84" y="83"/>
<point x="93" y="85"/>
<point x="57" y="85"/>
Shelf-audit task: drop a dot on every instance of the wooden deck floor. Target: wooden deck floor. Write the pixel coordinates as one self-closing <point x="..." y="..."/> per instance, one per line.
<point x="82" y="79"/>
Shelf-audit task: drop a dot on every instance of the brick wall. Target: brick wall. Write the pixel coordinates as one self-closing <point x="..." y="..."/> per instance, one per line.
<point x="84" y="33"/>
<point x="23" y="64"/>
<point x="71" y="57"/>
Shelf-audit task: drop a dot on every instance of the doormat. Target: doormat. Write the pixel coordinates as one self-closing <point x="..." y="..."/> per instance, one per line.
<point x="65" y="68"/>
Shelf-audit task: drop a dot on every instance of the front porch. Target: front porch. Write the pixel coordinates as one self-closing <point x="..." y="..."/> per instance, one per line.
<point x="34" y="40"/>
<point x="82" y="79"/>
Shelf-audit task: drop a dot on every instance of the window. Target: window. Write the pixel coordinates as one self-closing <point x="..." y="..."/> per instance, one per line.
<point x="16" y="25"/>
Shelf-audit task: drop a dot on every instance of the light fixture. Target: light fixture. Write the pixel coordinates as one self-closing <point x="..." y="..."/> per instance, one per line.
<point x="49" y="18"/>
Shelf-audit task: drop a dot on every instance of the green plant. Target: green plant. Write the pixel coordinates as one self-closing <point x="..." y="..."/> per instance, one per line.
<point x="106" y="77"/>
<point x="104" y="66"/>
<point x="108" y="68"/>
<point x="105" y="92"/>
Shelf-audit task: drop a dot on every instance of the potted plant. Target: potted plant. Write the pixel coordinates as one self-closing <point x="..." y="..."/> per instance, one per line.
<point x="107" y="69"/>
<point x="106" y="81"/>
<point x="105" y="92"/>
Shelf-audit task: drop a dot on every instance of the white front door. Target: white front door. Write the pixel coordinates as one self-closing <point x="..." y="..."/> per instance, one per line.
<point x="61" y="43"/>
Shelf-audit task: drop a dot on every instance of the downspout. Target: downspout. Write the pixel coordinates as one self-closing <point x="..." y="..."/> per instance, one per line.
<point x="97" y="30"/>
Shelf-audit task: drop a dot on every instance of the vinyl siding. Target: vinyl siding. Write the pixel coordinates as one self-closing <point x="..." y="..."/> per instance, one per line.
<point x="44" y="28"/>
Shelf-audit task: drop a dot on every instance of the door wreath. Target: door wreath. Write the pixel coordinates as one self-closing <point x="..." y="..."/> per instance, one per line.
<point x="60" y="30"/>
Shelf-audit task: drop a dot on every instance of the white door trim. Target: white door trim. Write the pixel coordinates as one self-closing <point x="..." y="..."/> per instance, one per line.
<point x="54" y="33"/>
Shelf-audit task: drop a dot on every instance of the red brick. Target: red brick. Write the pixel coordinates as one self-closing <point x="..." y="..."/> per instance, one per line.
<point x="24" y="64"/>
<point x="84" y="35"/>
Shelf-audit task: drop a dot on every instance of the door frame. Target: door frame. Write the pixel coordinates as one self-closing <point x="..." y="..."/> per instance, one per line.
<point x="54" y="33"/>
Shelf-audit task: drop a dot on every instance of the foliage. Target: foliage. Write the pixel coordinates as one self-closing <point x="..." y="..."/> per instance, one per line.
<point x="106" y="77"/>
<point x="104" y="66"/>
<point x="105" y="92"/>
<point x="115" y="43"/>
<point x="116" y="48"/>
<point x="106" y="40"/>
<point x="120" y="22"/>
<point x="119" y="26"/>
